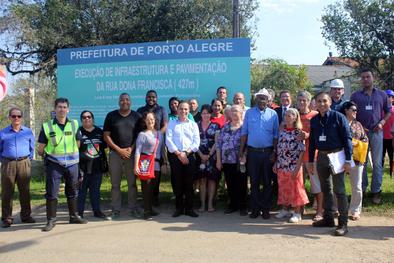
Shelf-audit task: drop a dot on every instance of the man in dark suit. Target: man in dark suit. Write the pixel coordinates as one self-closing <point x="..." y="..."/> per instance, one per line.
<point x="285" y="104"/>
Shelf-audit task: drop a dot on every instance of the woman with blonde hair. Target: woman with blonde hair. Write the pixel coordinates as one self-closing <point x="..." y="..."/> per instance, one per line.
<point x="288" y="167"/>
<point x="228" y="161"/>
<point x="306" y="114"/>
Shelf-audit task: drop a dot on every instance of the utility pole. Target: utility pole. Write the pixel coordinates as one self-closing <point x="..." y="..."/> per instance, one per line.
<point x="236" y="24"/>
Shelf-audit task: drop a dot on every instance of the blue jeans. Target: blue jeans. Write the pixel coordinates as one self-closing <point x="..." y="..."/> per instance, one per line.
<point x="93" y="183"/>
<point x="260" y="172"/>
<point x="376" y="148"/>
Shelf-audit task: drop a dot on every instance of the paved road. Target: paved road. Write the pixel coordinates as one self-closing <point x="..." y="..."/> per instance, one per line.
<point x="213" y="237"/>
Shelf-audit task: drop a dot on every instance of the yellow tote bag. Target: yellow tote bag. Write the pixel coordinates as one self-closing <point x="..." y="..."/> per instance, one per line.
<point x="360" y="150"/>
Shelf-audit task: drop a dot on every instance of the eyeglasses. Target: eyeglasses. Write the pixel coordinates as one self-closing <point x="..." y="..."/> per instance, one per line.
<point x="16" y="116"/>
<point x="354" y="110"/>
<point x="86" y="117"/>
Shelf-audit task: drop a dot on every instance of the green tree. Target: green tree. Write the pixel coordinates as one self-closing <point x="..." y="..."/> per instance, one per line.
<point x="278" y="75"/>
<point x="41" y="27"/>
<point x="364" y="31"/>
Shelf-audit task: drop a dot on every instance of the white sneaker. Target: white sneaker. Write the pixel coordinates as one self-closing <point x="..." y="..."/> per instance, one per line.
<point x="282" y="214"/>
<point x="295" y="218"/>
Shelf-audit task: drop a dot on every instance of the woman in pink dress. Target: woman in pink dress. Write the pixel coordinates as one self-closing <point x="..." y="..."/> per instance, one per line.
<point x="288" y="167"/>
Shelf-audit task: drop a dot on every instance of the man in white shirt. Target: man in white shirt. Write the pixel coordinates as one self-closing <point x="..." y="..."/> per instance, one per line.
<point x="182" y="141"/>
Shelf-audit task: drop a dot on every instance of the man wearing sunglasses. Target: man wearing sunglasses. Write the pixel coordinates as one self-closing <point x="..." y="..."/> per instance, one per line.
<point x="16" y="151"/>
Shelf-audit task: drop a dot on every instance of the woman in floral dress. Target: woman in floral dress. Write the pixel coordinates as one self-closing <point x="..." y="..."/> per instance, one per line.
<point x="288" y="167"/>
<point x="207" y="174"/>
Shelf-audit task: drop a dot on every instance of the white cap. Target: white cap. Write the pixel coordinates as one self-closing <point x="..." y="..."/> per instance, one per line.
<point x="263" y="92"/>
<point x="336" y="83"/>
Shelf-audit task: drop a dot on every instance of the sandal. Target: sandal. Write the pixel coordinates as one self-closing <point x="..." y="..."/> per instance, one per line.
<point x="355" y="217"/>
<point x="317" y="217"/>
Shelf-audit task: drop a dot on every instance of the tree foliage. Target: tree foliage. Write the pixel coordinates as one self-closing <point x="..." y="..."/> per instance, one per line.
<point x="41" y="27"/>
<point x="364" y="31"/>
<point x="276" y="74"/>
<point x="19" y="97"/>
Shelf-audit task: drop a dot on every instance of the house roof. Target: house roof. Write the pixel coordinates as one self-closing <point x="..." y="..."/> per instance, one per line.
<point x="318" y="74"/>
<point x="332" y="61"/>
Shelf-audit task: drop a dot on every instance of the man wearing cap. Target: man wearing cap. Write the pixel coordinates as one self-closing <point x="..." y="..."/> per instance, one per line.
<point x="16" y="151"/>
<point x="337" y="89"/>
<point x="372" y="103"/>
<point x="259" y="139"/>
<point x="387" y="135"/>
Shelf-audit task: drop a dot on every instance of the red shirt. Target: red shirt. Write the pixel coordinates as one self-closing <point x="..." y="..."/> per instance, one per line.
<point x="306" y="127"/>
<point x="388" y="125"/>
<point x="221" y="120"/>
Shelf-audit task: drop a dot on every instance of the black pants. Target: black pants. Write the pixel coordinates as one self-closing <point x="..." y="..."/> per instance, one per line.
<point x="182" y="181"/>
<point x="236" y="186"/>
<point x="156" y="185"/>
<point x="147" y="192"/>
<point x="388" y="146"/>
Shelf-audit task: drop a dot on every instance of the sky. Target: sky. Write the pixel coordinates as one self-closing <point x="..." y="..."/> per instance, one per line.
<point x="291" y="30"/>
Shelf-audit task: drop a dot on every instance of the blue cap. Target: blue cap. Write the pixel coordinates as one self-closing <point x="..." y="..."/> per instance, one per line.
<point x="390" y="93"/>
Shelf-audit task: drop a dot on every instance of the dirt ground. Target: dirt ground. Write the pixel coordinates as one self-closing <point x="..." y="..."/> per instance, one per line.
<point x="213" y="237"/>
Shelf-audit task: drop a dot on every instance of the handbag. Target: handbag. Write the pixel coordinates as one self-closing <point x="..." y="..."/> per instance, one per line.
<point x="360" y="150"/>
<point x="146" y="164"/>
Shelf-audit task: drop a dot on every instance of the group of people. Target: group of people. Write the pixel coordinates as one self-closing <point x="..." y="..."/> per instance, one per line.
<point x="274" y="146"/>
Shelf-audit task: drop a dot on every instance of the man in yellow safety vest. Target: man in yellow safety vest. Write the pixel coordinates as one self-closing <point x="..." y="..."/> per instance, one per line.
<point x="58" y="144"/>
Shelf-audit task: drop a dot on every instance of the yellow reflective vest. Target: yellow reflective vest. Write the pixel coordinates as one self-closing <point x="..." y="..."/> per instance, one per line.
<point x="62" y="147"/>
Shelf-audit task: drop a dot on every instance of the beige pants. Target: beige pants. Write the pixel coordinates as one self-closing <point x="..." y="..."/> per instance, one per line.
<point x="118" y="167"/>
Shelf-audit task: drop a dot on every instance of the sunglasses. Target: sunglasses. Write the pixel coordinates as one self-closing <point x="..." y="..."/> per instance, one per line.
<point x="86" y="117"/>
<point x="16" y="116"/>
<point x="354" y="110"/>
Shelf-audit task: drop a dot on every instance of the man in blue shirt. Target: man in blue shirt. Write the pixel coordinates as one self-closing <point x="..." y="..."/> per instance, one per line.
<point x="16" y="151"/>
<point x="259" y="138"/>
<point x="330" y="133"/>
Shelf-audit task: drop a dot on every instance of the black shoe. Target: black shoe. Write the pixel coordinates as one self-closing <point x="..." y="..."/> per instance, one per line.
<point x="243" y="212"/>
<point x="325" y="222"/>
<point x="191" y="213"/>
<point x="148" y="216"/>
<point x="177" y="213"/>
<point x="341" y="230"/>
<point x="255" y="213"/>
<point x="265" y="214"/>
<point x="229" y="210"/>
<point x="376" y="198"/>
<point x="101" y="215"/>
<point x="29" y="220"/>
<point x="6" y="224"/>
<point x="50" y="225"/>
<point x="75" y="219"/>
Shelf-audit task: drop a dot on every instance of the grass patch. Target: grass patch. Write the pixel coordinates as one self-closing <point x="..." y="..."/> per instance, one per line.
<point x="38" y="190"/>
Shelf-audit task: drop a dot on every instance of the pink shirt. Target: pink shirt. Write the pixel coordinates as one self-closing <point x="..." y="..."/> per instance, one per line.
<point x="388" y="126"/>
